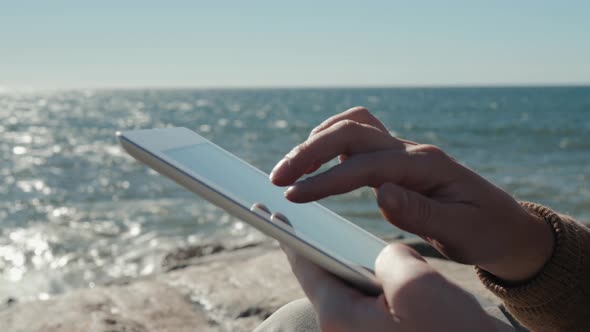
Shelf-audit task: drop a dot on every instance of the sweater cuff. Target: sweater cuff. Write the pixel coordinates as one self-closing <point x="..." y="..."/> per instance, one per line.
<point x="559" y="276"/>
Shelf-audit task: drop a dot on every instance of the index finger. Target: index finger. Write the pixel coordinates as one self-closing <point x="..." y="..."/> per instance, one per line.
<point x="420" y="169"/>
<point x="346" y="137"/>
<point x="358" y="114"/>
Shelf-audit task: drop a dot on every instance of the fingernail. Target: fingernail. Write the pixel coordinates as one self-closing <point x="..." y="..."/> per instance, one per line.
<point x="273" y="173"/>
<point x="289" y="190"/>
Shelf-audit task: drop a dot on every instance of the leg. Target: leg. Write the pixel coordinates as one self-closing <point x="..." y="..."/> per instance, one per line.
<point x="297" y="316"/>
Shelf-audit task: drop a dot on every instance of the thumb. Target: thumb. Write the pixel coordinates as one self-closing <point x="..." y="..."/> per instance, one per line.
<point x="422" y="299"/>
<point x="408" y="209"/>
<point x="405" y="276"/>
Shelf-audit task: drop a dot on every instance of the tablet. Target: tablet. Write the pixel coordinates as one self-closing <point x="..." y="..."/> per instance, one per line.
<point x="245" y="192"/>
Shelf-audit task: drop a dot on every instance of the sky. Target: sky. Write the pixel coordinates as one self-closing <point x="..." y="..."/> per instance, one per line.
<point x="193" y="44"/>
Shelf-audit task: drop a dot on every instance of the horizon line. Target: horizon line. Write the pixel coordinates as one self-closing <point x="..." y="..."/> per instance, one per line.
<point x="9" y="89"/>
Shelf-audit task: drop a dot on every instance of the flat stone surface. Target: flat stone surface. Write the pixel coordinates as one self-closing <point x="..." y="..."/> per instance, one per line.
<point x="138" y="307"/>
<point x="239" y="290"/>
<point x="227" y="291"/>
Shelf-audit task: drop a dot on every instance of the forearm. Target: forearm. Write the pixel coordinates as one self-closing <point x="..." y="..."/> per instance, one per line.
<point x="558" y="297"/>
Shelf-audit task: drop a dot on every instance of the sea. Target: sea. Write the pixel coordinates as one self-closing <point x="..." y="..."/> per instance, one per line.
<point x="76" y="211"/>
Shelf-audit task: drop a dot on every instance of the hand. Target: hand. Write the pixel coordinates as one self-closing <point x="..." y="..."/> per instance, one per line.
<point x="422" y="190"/>
<point x="415" y="298"/>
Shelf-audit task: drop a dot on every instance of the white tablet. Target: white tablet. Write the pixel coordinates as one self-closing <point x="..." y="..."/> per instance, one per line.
<point x="315" y="232"/>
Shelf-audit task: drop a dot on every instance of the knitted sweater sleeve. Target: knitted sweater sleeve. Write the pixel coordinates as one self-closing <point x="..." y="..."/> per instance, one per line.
<point x="558" y="298"/>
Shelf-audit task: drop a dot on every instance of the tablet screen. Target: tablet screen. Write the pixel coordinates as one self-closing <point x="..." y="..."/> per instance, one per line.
<point x="244" y="184"/>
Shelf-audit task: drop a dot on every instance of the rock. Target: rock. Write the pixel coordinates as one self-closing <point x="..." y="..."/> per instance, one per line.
<point x="183" y="257"/>
<point x="7" y="303"/>
<point x="232" y="290"/>
<point x="238" y="289"/>
<point x="139" y="307"/>
<point x="179" y="257"/>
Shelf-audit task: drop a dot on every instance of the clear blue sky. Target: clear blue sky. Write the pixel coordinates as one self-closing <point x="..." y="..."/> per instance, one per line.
<point x="65" y="44"/>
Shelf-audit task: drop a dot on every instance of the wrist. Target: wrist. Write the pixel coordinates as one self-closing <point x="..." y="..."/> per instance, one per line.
<point x="531" y="247"/>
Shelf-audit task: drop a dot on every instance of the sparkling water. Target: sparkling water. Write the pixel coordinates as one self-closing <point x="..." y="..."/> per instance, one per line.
<point x="76" y="211"/>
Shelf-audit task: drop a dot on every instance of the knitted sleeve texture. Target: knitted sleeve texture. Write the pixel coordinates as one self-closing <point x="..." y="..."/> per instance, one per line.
<point x="558" y="298"/>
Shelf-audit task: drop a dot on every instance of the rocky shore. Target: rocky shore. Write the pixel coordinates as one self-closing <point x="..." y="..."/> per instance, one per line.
<point x="212" y="287"/>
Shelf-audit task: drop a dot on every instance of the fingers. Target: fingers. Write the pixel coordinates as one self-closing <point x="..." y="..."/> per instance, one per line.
<point x="318" y="285"/>
<point x="407" y="280"/>
<point x="409" y="210"/>
<point x="413" y="289"/>
<point x="346" y="137"/>
<point x="345" y="134"/>
<point x="338" y="306"/>
<point x="447" y="226"/>
<point x="411" y="168"/>
<point x="358" y="114"/>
